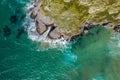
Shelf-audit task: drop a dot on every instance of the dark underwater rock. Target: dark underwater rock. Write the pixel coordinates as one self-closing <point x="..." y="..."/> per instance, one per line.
<point x="14" y="19"/>
<point x="20" y="32"/>
<point x="7" y="31"/>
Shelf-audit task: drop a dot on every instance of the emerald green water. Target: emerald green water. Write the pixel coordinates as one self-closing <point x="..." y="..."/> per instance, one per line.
<point x="94" y="56"/>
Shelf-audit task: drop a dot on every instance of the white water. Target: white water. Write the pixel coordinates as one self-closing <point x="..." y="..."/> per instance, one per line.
<point x="44" y="35"/>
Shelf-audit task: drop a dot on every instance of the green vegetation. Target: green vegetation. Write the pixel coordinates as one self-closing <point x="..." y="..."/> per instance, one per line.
<point x="71" y="15"/>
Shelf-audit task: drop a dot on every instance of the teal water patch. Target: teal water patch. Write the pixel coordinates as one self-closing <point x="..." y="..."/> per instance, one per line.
<point x="114" y="46"/>
<point x="92" y="52"/>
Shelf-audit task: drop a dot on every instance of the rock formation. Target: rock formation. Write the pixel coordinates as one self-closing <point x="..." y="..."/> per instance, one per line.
<point x="69" y="18"/>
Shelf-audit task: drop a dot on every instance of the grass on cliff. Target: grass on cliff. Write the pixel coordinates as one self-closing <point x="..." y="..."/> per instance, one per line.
<point x="74" y="14"/>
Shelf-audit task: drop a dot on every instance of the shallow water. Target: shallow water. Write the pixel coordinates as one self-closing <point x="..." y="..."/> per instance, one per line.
<point x="94" y="56"/>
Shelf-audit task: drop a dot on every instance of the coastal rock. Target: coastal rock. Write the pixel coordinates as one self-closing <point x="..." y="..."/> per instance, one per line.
<point x="33" y="15"/>
<point x="37" y="3"/>
<point x="40" y="27"/>
<point x="55" y="34"/>
<point x="34" y="12"/>
<point x="44" y="19"/>
<point x="70" y="20"/>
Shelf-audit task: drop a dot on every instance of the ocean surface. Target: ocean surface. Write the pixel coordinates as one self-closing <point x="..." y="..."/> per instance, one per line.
<point x="95" y="56"/>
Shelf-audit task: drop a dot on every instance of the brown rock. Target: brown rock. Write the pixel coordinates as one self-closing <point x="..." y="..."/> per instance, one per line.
<point x="33" y="15"/>
<point x="40" y="27"/>
<point x="54" y="34"/>
<point x="44" y="19"/>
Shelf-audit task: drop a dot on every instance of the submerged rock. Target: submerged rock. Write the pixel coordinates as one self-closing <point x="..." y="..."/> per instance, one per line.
<point x="14" y="19"/>
<point x="7" y="31"/>
<point x="20" y="32"/>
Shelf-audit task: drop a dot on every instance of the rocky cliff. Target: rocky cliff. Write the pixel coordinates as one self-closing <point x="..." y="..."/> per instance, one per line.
<point x="69" y="16"/>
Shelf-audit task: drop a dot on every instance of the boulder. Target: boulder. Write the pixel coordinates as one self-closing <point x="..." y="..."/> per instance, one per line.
<point x="40" y="27"/>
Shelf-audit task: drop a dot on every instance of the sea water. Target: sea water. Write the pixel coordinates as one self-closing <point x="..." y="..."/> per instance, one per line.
<point x="95" y="56"/>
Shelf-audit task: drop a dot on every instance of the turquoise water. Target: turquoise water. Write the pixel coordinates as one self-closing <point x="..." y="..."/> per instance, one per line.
<point x="94" y="56"/>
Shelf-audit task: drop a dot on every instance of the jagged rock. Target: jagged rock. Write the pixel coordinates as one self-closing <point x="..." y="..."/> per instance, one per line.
<point x="33" y="15"/>
<point x="69" y="18"/>
<point x="54" y="34"/>
<point x="40" y="27"/>
<point x="105" y="23"/>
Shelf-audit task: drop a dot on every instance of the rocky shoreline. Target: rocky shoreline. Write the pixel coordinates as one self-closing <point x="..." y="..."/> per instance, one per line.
<point x="43" y="28"/>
